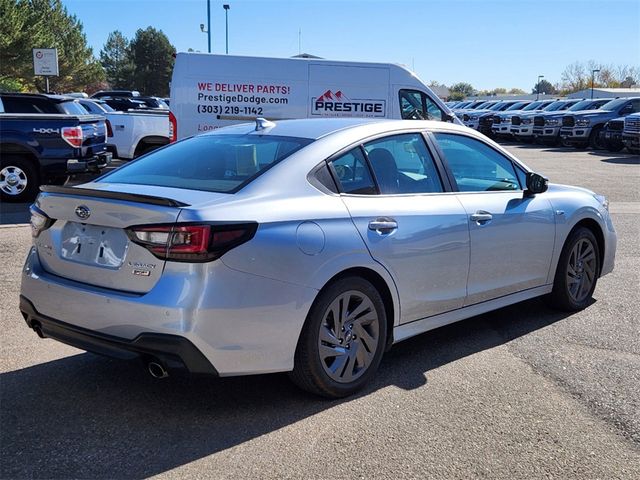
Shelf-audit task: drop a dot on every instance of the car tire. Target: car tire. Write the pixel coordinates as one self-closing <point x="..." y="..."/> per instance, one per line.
<point x="19" y="180"/>
<point x="577" y="271"/>
<point x="336" y="357"/>
<point x="595" y="141"/>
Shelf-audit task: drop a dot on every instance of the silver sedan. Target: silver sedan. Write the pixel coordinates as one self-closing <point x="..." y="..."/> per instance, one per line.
<point x="306" y="246"/>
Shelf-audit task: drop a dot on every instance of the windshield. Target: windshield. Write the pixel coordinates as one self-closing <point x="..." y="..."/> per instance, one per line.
<point x="614" y="104"/>
<point x="516" y="106"/>
<point x="583" y="105"/>
<point x="553" y="106"/>
<point x="532" y="106"/>
<point x="212" y="163"/>
<point x="73" y="108"/>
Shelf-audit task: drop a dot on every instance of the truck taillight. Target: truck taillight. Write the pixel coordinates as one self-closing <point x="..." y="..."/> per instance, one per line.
<point x="73" y="136"/>
<point x="173" y="127"/>
<point x="109" y="128"/>
<point x="191" y="243"/>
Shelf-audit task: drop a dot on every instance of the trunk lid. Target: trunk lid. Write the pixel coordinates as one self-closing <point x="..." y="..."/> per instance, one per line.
<point x="88" y="241"/>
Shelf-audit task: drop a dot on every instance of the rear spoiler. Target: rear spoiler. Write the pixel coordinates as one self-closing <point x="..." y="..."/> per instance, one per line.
<point x="129" y="197"/>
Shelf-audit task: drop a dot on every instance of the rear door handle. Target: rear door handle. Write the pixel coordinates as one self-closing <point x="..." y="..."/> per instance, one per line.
<point x="481" y="217"/>
<point x="383" y="225"/>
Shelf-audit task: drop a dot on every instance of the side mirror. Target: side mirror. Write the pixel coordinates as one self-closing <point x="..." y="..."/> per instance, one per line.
<point x="446" y="117"/>
<point x="536" y="184"/>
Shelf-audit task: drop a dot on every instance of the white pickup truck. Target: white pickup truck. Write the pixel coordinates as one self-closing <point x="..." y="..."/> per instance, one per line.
<point x="131" y="133"/>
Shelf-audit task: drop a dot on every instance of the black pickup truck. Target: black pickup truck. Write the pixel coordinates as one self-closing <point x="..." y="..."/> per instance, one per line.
<point x="43" y="140"/>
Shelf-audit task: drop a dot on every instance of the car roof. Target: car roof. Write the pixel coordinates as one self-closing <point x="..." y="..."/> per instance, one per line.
<point x="54" y="98"/>
<point x="316" y="128"/>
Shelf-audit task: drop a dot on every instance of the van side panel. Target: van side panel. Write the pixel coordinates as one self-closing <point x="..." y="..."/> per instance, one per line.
<point x="348" y="91"/>
<point x="213" y="91"/>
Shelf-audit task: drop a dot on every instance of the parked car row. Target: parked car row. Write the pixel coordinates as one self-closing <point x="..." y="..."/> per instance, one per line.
<point x="597" y="123"/>
<point x="46" y="138"/>
<point x="43" y="140"/>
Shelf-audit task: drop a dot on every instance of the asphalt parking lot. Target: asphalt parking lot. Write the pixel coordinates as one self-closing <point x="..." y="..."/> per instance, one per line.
<point x="524" y="392"/>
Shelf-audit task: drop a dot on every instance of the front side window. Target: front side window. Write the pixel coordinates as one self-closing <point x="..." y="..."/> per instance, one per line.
<point x="476" y="167"/>
<point x="403" y="164"/>
<point x="212" y="163"/>
<point x="416" y="105"/>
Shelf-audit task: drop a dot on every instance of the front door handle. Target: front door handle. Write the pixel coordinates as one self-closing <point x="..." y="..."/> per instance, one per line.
<point x="383" y="225"/>
<point x="481" y="217"/>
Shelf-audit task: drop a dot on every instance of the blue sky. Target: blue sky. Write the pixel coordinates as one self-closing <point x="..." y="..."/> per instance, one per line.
<point x="492" y="43"/>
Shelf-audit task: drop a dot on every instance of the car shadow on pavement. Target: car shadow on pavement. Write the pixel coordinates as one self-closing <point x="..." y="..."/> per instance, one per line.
<point x="86" y="416"/>
<point x="635" y="160"/>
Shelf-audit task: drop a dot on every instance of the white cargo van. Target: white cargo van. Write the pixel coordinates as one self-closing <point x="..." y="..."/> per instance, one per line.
<point x="212" y="91"/>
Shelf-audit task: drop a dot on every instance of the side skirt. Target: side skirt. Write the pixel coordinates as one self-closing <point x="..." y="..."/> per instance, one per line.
<point x="408" y="330"/>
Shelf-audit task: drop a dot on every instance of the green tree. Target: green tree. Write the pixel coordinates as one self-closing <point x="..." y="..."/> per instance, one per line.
<point x="461" y="90"/>
<point x="28" y="24"/>
<point x="115" y="58"/>
<point x="153" y="58"/>
<point x="517" y="91"/>
<point x="545" y="87"/>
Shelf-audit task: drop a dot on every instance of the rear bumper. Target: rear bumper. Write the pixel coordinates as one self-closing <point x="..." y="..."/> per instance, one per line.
<point x="242" y="323"/>
<point x="172" y="351"/>
<point x="91" y="164"/>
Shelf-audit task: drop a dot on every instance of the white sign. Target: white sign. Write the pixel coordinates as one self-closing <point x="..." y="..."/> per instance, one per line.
<point x="45" y="61"/>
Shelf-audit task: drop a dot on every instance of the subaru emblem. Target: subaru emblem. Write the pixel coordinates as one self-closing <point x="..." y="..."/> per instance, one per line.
<point x="83" y="212"/>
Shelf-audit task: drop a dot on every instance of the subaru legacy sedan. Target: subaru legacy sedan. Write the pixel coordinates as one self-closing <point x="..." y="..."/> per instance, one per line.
<point x="304" y="246"/>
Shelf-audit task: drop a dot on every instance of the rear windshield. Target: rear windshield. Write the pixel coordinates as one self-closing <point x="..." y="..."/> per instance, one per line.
<point x="212" y="163"/>
<point x="73" y="108"/>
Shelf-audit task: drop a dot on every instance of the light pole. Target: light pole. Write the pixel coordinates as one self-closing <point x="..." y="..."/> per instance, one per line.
<point x="593" y="73"/>
<point x="209" y="26"/>
<point x="226" y="26"/>
<point x="538" y="87"/>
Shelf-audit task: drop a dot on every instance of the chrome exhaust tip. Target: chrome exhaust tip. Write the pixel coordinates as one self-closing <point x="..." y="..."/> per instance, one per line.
<point x="156" y="370"/>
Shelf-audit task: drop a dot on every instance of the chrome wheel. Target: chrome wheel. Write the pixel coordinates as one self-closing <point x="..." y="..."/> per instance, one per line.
<point x="348" y="337"/>
<point x="13" y="180"/>
<point x="581" y="270"/>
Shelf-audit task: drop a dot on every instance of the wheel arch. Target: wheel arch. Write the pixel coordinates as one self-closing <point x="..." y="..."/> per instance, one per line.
<point x="391" y="303"/>
<point x="596" y="229"/>
<point x="148" y="141"/>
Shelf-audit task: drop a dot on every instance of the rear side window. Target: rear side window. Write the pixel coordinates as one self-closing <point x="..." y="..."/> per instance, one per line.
<point x="212" y="163"/>
<point x="476" y="166"/>
<point x="28" y="105"/>
<point x="352" y="173"/>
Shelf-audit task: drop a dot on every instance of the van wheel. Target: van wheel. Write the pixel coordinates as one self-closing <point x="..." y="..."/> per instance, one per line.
<point x="343" y="339"/>
<point x="18" y="179"/>
<point x="577" y="271"/>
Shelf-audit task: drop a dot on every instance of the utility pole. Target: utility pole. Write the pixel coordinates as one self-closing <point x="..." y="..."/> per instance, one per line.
<point x="209" y="25"/>
<point x="226" y="26"/>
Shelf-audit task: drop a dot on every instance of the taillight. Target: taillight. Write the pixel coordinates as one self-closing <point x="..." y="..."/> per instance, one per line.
<point x="173" y="127"/>
<point x="73" y="136"/>
<point x="191" y="243"/>
<point x="39" y="221"/>
<point x="109" y="128"/>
